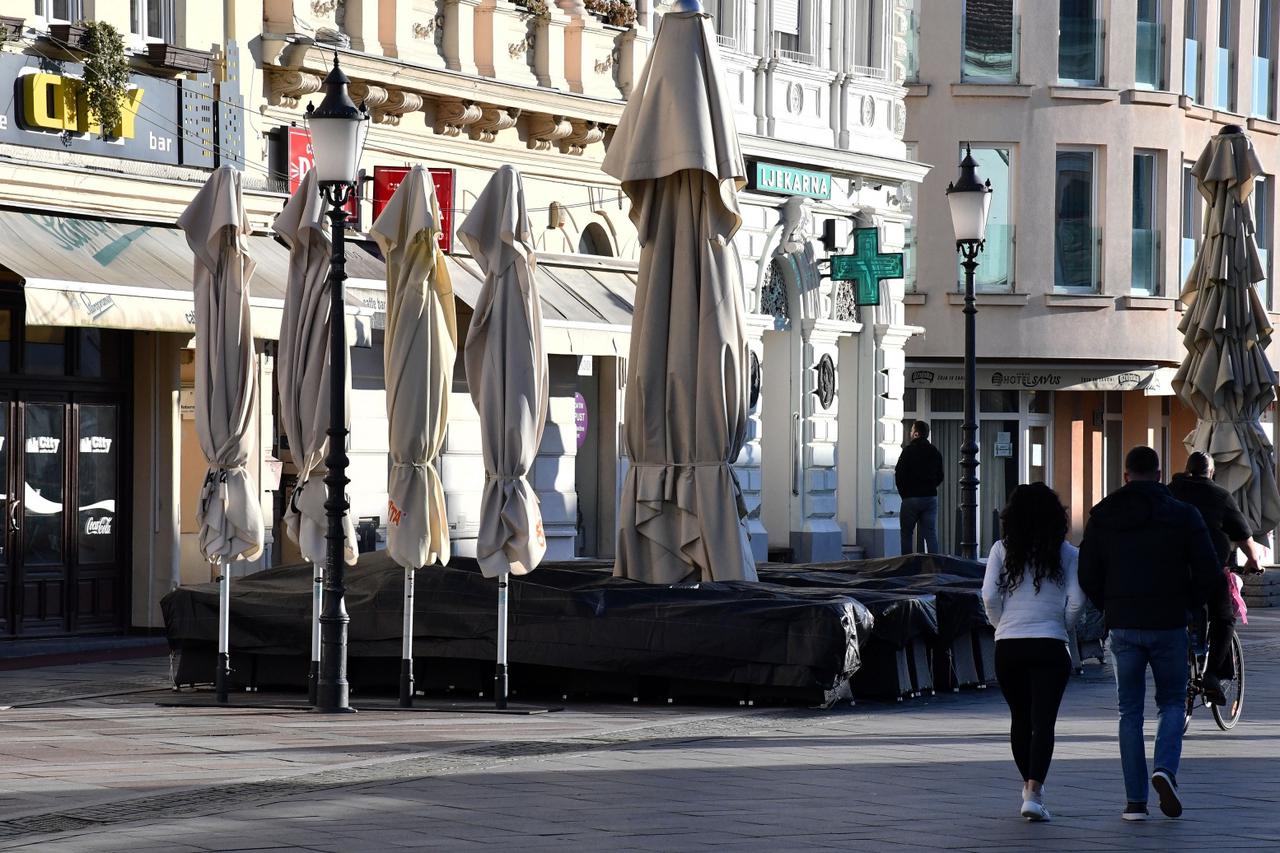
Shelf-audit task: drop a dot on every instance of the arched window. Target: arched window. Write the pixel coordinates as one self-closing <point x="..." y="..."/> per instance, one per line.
<point x="595" y="241"/>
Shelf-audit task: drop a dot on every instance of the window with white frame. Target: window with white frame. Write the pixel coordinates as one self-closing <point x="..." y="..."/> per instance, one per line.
<point x="990" y="42"/>
<point x="995" y="270"/>
<point x="1225" y="58"/>
<point x="1190" y="222"/>
<point x="1192" y="70"/>
<point x="1149" y="57"/>
<point x="792" y="20"/>
<point x="1077" y="237"/>
<point x="910" y="252"/>
<point x="152" y="20"/>
<point x="1145" y="266"/>
<point x="59" y="10"/>
<point x="1079" y="42"/>
<point x="1262" y="203"/>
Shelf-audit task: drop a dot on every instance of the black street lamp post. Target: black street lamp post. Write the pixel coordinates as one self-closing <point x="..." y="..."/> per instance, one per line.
<point x="337" y="129"/>
<point x="970" y="200"/>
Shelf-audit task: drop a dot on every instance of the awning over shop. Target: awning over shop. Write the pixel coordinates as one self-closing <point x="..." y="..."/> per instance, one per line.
<point x="119" y="275"/>
<point x="1150" y="378"/>
<point x="586" y="301"/>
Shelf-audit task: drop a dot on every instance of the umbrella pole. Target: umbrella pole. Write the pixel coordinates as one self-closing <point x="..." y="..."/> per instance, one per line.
<point x="500" y="673"/>
<point x="222" y="674"/>
<point x="406" y="654"/>
<point x="317" y="592"/>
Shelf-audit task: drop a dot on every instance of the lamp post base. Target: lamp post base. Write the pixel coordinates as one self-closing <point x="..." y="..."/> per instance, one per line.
<point x="406" y="683"/>
<point x="222" y="677"/>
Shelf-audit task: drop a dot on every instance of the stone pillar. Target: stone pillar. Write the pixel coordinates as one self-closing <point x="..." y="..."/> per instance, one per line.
<point x="747" y="467"/>
<point x="359" y="20"/>
<point x="819" y="538"/>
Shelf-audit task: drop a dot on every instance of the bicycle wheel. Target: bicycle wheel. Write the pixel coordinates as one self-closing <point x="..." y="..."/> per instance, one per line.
<point x="1193" y="686"/>
<point x="1226" y="716"/>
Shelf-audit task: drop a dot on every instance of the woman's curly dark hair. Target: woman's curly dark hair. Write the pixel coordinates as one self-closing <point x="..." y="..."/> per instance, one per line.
<point x="1035" y="526"/>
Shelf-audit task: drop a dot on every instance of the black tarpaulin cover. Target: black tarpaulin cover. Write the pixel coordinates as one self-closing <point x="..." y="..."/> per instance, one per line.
<point x="575" y="618"/>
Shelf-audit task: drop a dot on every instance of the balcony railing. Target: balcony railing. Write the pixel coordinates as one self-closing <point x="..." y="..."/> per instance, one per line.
<point x="991" y="53"/>
<point x="729" y="43"/>
<point x="1080" y="50"/>
<point x="1226" y="79"/>
<point x="1146" y="262"/>
<point x="1191" y="69"/>
<point x="1263" y="103"/>
<point x="795" y="56"/>
<point x="995" y="272"/>
<point x="870" y="71"/>
<point x="1149" y="71"/>
<point x="1077" y="256"/>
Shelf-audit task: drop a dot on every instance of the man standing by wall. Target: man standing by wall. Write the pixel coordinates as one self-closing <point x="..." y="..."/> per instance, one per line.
<point x="1146" y="561"/>
<point x="918" y="475"/>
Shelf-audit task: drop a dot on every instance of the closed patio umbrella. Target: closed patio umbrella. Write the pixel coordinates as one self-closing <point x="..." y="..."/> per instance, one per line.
<point x="418" y="354"/>
<point x="229" y="514"/>
<point x="676" y="153"/>
<point x="303" y="375"/>
<point x="507" y="376"/>
<point x="1225" y="377"/>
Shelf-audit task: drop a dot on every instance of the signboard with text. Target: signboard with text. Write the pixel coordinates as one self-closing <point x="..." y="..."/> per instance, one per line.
<point x="788" y="180"/>
<point x="386" y="180"/>
<point x="46" y="108"/>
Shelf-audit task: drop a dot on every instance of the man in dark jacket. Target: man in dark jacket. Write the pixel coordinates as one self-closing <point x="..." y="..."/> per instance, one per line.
<point x="917" y="476"/>
<point x="1229" y="529"/>
<point x="1146" y="561"/>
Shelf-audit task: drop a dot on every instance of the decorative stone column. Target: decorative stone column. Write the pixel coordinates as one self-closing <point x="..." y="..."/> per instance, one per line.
<point x="747" y="468"/>
<point x="819" y="538"/>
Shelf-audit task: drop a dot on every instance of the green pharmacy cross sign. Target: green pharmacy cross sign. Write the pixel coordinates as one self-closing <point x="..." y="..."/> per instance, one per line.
<point x="866" y="267"/>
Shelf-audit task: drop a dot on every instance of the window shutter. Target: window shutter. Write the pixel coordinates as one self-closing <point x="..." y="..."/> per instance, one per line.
<point x="786" y="17"/>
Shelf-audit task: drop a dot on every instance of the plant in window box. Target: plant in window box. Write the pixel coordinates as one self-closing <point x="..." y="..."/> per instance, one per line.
<point x="69" y="36"/>
<point x="615" y="13"/>
<point x="106" y="75"/>
<point x="537" y="9"/>
<point x="11" y="28"/>
<point x="179" y="58"/>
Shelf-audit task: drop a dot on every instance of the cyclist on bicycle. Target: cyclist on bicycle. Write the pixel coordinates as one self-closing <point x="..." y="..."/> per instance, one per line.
<point x="1229" y="529"/>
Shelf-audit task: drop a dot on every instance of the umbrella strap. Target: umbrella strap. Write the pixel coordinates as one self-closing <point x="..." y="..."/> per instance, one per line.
<point x="719" y="464"/>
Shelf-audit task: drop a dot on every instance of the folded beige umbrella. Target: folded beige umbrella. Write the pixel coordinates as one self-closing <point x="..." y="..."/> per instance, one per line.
<point x="676" y="153"/>
<point x="302" y="372"/>
<point x="507" y="376"/>
<point x="420" y="346"/>
<point x="229" y="515"/>
<point x="1225" y="377"/>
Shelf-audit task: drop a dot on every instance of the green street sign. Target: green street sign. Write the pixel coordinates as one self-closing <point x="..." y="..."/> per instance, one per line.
<point x="787" y="180"/>
<point x="866" y="267"/>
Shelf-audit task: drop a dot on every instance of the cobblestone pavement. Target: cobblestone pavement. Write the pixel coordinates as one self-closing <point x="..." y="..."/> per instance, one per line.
<point x="95" y="765"/>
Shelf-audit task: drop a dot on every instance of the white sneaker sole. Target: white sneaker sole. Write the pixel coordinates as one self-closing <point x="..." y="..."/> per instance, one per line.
<point x="1035" y="812"/>
<point x="1132" y="816"/>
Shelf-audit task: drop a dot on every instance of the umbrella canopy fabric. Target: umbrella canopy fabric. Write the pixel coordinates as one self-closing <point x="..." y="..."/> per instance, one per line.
<point x="303" y="369"/>
<point x="507" y="375"/>
<point x="1225" y="377"/>
<point x="217" y="229"/>
<point x="676" y="153"/>
<point x="419" y="351"/>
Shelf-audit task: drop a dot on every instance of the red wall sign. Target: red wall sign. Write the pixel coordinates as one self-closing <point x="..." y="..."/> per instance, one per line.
<point x="386" y="180"/>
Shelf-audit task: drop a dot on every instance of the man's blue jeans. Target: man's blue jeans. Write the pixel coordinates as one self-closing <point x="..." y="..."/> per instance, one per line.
<point x="922" y="511"/>
<point x="1165" y="651"/>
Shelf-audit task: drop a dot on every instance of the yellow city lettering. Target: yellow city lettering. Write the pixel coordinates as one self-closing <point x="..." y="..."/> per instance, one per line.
<point x="43" y="101"/>
<point x="129" y="113"/>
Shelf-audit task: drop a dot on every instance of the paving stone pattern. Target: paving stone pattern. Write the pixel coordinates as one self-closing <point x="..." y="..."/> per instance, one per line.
<point x="118" y="773"/>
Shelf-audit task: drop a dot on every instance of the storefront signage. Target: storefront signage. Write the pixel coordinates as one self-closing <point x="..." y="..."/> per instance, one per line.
<point x="1035" y="378"/>
<point x="95" y="444"/>
<point x="386" y="180"/>
<point x="788" y="180"/>
<point x="867" y="266"/>
<point x="98" y="526"/>
<point x="580" y="417"/>
<point x="43" y="444"/>
<point x="46" y="109"/>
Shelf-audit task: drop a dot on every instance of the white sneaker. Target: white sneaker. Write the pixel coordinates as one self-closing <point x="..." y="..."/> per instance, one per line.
<point x="1035" y="811"/>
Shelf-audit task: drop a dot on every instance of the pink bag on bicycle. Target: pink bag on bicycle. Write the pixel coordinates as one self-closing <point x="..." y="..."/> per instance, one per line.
<point x="1235" y="583"/>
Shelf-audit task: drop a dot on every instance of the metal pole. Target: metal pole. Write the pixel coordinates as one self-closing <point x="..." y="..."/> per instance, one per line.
<point x="222" y="675"/>
<point x="332" y="691"/>
<point x="500" y="672"/>
<point x="406" y="653"/>
<point x="969" y="430"/>
<point x="317" y="597"/>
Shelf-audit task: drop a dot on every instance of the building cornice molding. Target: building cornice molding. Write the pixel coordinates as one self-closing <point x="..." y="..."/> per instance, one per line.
<point x="835" y="160"/>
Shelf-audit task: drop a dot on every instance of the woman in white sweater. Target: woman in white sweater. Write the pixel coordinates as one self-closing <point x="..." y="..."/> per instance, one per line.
<point x="1033" y="600"/>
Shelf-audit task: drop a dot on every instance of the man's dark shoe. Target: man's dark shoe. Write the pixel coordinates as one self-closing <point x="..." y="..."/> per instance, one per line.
<point x="1134" y="811"/>
<point x="1212" y="687"/>
<point x="1167" y="788"/>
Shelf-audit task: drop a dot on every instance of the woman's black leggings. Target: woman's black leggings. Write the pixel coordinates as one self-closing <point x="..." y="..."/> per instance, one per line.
<point x="1033" y="676"/>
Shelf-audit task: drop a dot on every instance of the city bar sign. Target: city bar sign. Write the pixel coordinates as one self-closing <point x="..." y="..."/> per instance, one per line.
<point x="788" y="180"/>
<point x="46" y="109"/>
<point x="386" y="180"/>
